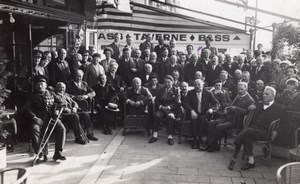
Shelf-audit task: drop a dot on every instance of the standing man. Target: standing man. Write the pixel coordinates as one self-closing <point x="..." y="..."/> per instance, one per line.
<point x="147" y="44"/>
<point x="161" y="44"/>
<point x="167" y="103"/>
<point x="59" y="70"/>
<point x="263" y="116"/>
<point x="116" y="46"/>
<point x="213" y="50"/>
<point x="199" y="103"/>
<point x="192" y="67"/>
<point x="41" y="107"/>
<point x="93" y="71"/>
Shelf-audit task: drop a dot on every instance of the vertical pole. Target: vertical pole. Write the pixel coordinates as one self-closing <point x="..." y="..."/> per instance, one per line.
<point x="255" y="24"/>
<point x="30" y="54"/>
<point x="14" y="62"/>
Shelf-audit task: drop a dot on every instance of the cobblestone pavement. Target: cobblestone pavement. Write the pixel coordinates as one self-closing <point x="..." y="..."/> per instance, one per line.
<point x="131" y="160"/>
<point x="137" y="162"/>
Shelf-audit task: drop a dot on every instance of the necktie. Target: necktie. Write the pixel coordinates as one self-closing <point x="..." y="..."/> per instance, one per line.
<point x="199" y="102"/>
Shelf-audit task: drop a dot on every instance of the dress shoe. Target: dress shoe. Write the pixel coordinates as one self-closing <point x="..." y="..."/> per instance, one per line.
<point x="92" y="137"/>
<point x="170" y="142"/>
<point x="43" y="156"/>
<point x="58" y="156"/>
<point x="195" y="145"/>
<point x="248" y="166"/>
<point x="152" y="140"/>
<point x="203" y="148"/>
<point x="231" y="163"/>
<point x="105" y="132"/>
<point x="109" y="131"/>
<point x="210" y="149"/>
<point x="79" y="140"/>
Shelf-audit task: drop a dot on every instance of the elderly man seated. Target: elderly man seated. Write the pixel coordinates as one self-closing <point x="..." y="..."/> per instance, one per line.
<point x="199" y="103"/>
<point x="263" y="116"/>
<point x="71" y="115"/>
<point x="234" y="115"/>
<point x="137" y="97"/>
<point x="167" y="104"/>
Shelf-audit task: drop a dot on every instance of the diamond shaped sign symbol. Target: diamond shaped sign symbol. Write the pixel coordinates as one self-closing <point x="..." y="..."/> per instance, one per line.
<point x="236" y="38"/>
<point x="192" y="37"/>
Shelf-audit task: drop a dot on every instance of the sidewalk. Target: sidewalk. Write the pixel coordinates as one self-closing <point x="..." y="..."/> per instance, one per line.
<point x="137" y="162"/>
<point x="131" y="160"/>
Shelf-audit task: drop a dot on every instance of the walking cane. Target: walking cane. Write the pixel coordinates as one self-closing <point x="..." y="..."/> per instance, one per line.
<point x="45" y="141"/>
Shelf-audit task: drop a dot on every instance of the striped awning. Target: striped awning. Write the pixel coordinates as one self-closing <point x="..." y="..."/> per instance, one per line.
<point x="150" y="19"/>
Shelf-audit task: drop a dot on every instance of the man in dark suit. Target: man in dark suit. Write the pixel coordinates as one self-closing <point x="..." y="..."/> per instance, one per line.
<point x="158" y="48"/>
<point x="116" y="46"/>
<point x="227" y="84"/>
<point x="257" y="92"/>
<point x="59" y="70"/>
<point x="147" y="44"/>
<point x="125" y="66"/>
<point x="104" y="94"/>
<point x="114" y="79"/>
<point x="167" y="104"/>
<point x="137" y="97"/>
<point x="234" y="115"/>
<point x="192" y="67"/>
<point x="264" y="114"/>
<point x="227" y="65"/>
<point x="213" y="71"/>
<point x="146" y="73"/>
<point x="174" y="66"/>
<point x="240" y="64"/>
<point x="199" y="103"/>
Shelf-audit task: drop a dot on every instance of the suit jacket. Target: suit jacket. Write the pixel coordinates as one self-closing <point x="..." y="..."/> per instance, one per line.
<point x="153" y="91"/>
<point x="256" y="95"/>
<point x="144" y="79"/>
<point x="76" y="91"/>
<point x="228" y="68"/>
<point x="212" y="75"/>
<point x="104" y="94"/>
<point x="117" y="82"/>
<point x="59" y="71"/>
<point x="169" y="70"/>
<point x="158" y="49"/>
<point x="172" y="99"/>
<point x="124" y="70"/>
<point x="117" y="50"/>
<point x="263" y="74"/>
<point x="191" y="69"/>
<point x="244" y="67"/>
<point x="230" y="87"/>
<point x="241" y="109"/>
<point x="142" y="95"/>
<point x="207" y="101"/>
<point x="91" y="76"/>
<point x="262" y="119"/>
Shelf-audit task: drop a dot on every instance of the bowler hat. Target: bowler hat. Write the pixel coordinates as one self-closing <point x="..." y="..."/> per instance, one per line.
<point x="96" y="55"/>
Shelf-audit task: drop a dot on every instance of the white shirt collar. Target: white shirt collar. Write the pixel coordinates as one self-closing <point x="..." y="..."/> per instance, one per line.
<point x="267" y="106"/>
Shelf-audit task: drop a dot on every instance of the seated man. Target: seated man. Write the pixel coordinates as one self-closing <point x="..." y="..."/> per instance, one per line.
<point x="41" y="107"/>
<point x="70" y="115"/>
<point x="105" y="93"/>
<point x="234" y="115"/>
<point x="153" y="85"/>
<point x="137" y="97"/>
<point x="263" y="116"/>
<point x="78" y="89"/>
<point x="199" y="102"/>
<point x="114" y="79"/>
<point x="167" y="103"/>
<point x="257" y="92"/>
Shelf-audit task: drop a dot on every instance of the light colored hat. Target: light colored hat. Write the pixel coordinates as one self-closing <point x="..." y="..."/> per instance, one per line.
<point x="286" y="62"/>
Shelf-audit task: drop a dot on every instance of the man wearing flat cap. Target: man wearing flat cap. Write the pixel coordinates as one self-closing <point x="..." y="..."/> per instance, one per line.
<point x="108" y="52"/>
<point x="213" y="50"/>
<point x="167" y="104"/>
<point x="41" y="107"/>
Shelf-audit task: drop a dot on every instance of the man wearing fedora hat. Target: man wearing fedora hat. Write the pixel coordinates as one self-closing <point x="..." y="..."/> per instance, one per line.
<point x="41" y="107"/>
<point x="167" y="104"/>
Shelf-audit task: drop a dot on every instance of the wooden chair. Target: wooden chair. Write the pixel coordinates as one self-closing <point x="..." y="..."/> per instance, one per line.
<point x="185" y="128"/>
<point x="288" y="173"/>
<point x="295" y="152"/>
<point x="138" y="122"/>
<point x="267" y="143"/>
<point x="22" y="175"/>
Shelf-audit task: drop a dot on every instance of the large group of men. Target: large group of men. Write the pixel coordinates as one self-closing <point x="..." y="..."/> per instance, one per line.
<point x="214" y="90"/>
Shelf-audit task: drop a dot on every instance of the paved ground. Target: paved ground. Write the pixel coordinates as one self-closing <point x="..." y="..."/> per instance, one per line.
<point x="131" y="160"/>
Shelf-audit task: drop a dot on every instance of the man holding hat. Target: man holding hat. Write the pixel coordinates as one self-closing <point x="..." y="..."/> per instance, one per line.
<point x="167" y="104"/>
<point x="41" y="107"/>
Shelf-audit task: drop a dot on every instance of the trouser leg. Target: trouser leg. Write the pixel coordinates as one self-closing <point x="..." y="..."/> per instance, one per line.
<point x="220" y="130"/>
<point x="170" y="124"/>
<point x="60" y="136"/>
<point x="202" y="126"/>
<point x="157" y="118"/>
<point x="73" y="119"/>
<point x="36" y="136"/>
<point x="85" y="119"/>
<point x="211" y="131"/>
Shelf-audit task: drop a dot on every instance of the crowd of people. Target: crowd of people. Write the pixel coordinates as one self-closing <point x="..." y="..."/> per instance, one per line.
<point x="214" y="90"/>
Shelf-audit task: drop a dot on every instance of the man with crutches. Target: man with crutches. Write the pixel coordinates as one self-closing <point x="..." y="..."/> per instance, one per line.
<point x="44" y="108"/>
